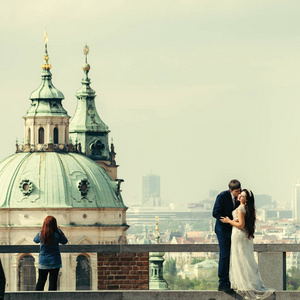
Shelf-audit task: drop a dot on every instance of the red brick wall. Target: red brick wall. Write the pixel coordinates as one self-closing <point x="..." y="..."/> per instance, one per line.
<point x="123" y="271"/>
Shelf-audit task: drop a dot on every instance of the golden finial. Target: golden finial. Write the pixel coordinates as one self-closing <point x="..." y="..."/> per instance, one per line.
<point x="45" y="65"/>
<point x="86" y="67"/>
<point x="45" y="37"/>
<point x="86" y="50"/>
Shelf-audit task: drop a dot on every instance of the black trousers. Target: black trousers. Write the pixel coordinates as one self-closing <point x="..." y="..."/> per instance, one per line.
<point x="2" y="281"/>
<point x="43" y="274"/>
<point x="224" y="238"/>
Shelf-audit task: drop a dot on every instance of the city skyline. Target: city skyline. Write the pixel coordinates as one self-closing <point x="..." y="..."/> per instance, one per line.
<point x="198" y="93"/>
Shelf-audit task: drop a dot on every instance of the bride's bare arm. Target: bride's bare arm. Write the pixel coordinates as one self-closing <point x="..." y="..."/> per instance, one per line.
<point x="239" y="224"/>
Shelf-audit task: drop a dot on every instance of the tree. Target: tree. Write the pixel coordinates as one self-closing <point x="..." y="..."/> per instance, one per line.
<point x="293" y="279"/>
<point x="183" y="284"/>
<point x="170" y="267"/>
<point x="196" y="260"/>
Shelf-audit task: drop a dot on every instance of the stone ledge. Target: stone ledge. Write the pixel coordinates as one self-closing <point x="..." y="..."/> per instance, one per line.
<point x="144" y="295"/>
<point x="128" y="248"/>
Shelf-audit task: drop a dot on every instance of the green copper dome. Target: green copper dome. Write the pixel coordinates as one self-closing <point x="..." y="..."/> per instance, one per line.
<point x="54" y="180"/>
<point x="46" y="89"/>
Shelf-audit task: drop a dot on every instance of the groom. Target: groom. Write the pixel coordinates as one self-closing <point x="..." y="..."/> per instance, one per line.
<point x="225" y="203"/>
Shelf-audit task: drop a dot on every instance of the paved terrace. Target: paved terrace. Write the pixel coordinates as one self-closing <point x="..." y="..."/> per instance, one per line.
<point x="271" y="260"/>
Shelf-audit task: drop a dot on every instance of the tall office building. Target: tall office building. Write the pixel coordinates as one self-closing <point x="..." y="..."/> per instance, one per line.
<point x="296" y="200"/>
<point x="151" y="190"/>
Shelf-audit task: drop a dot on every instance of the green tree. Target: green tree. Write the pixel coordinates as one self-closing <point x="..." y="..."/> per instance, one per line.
<point x="178" y="283"/>
<point x="170" y="267"/>
<point x="170" y="280"/>
<point x="183" y="284"/>
<point x="293" y="279"/>
<point x="196" y="260"/>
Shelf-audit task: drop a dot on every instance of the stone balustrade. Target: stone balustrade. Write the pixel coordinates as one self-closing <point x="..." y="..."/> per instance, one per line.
<point x="271" y="260"/>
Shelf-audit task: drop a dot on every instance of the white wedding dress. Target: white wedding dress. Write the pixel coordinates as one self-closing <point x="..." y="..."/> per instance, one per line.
<point x="243" y="272"/>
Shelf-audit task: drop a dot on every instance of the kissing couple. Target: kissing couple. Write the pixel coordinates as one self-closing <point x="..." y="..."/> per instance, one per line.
<point x="235" y="215"/>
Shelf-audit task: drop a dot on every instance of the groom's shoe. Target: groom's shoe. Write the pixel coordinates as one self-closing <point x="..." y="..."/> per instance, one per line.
<point x="226" y="290"/>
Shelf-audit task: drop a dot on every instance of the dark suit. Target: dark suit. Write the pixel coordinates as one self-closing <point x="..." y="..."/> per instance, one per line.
<point x="2" y="281"/>
<point x="223" y="208"/>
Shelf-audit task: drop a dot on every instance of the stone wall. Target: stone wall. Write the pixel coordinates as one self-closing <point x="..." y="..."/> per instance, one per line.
<point x="140" y="295"/>
<point x="123" y="271"/>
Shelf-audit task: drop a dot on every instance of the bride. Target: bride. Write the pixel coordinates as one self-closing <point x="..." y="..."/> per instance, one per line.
<point x="243" y="271"/>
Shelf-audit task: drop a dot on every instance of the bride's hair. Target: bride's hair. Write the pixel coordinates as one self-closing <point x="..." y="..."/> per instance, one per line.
<point x="250" y="215"/>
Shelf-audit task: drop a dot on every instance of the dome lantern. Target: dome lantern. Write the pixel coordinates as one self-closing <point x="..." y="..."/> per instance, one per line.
<point x="46" y="121"/>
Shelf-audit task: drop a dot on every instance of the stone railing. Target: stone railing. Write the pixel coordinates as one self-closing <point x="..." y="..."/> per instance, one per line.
<point x="63" y="148"/>
<point x="271" y="257"/>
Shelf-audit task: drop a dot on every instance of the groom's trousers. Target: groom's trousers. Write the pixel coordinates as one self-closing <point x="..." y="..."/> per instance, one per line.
<point x="224" y="238"/>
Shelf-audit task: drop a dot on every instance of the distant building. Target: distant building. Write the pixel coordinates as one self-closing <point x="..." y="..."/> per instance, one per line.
<point x="263" y="200"/>
<point x="275" y="214"/>
<point x="198" y="205"/>
<point x="151" y="190"/>
<point x="296" y="200"/>
<point x="206" y="204"/>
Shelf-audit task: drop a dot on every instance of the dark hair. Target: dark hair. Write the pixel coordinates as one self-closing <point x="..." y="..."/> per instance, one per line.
<point x="234" y="184"/>
<point x="250" y="215"/>
<point x="48" y="229"/>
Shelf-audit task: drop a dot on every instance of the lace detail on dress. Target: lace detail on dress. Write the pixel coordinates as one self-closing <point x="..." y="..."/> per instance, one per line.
<point x="242" y="208"/>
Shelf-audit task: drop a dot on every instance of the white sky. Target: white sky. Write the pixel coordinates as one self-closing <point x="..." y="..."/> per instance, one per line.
<point x="198" y="92"/>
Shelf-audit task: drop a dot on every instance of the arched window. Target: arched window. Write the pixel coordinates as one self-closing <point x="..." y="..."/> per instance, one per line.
<point x="55" y="135"/>
<point x="83" y="273"/>
<point x="41" y="135"/>
<point x="28" y="137"/>
<point x="27" y="273"/>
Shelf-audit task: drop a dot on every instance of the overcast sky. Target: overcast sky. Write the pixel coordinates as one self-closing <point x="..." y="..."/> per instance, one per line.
<point x="198" y="92"/>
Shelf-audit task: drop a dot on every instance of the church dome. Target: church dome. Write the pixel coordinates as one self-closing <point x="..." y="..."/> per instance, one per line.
<point x="56" y="180"/>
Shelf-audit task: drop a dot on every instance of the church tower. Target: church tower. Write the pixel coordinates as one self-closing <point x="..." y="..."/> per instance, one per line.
<point x="46" y="121"/>
<point x="87" y="128"/>
<point x="50" y="175"/>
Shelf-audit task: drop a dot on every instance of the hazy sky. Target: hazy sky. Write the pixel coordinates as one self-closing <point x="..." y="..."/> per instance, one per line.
<point x="198" y="92"/>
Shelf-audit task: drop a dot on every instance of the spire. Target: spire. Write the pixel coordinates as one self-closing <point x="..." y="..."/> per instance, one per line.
<point x="46" y="90"/>
<point x="85" y="89"/>
<point x="86" y="117"/>
<point x="86" y="67"/>
<point x="86" y="124"/>
<point x="45" y="65"/>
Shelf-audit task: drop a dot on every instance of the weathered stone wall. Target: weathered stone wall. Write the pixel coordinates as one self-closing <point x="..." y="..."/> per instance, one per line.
<point x="141" y="295"/>
<point x="123" y="271"/>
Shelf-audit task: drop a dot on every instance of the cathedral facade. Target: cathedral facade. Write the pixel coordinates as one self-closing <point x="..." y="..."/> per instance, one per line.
<point x="66" y="168"/>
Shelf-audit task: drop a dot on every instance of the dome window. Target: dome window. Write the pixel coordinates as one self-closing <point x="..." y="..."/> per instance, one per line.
<point x="54" y="105"/>
<point x="55" y="135"/>
<point x="97" y="148"/>
<point x="29" y="136"/>
<point x="83" y="187"/>
<point x="26" y="187"/>
<point x="27" y="273"/>
<point x="41" y="135"/>
<point x="83" y="273"/>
